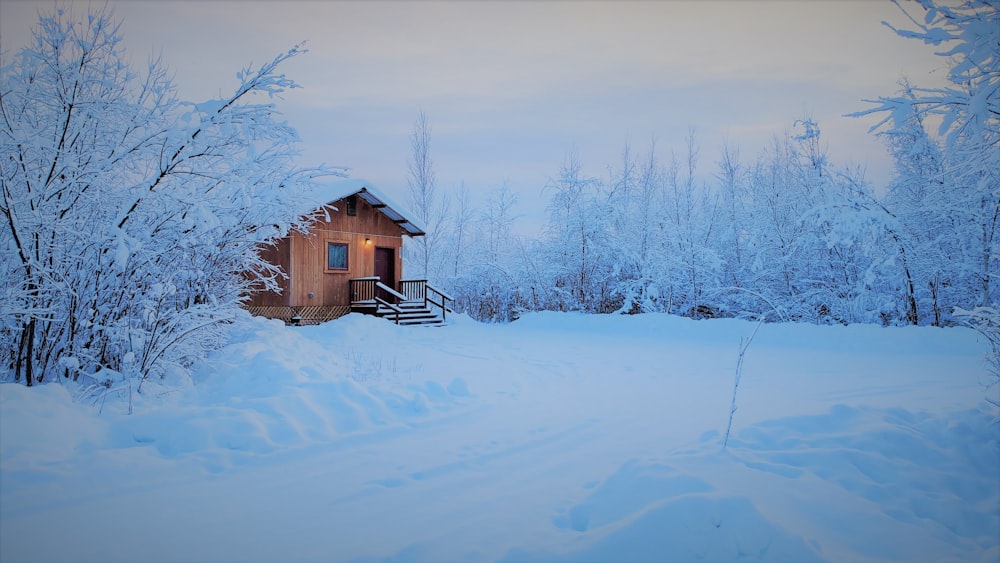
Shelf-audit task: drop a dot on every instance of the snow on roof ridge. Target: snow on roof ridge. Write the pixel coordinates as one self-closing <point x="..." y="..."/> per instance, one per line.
<point x="329" y="192"/>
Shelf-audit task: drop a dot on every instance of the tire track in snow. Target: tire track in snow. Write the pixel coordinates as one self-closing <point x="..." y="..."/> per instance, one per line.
<point x="476" y="464"/>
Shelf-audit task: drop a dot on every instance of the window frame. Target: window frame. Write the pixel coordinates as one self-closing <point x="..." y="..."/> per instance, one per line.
<point x="347" y="256"/>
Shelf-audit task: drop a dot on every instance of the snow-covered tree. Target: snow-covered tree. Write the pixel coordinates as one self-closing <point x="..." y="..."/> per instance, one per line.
<point x="429" y="206"/>
<point x="778" y="250"/>
<point x="927" y="226"/>
<point x="689" y="218"/>
<point x="488" y="285"/>
<point x="947" y="193"/>
<point x="130" y="219"/>
<point x="635" y="202"/>
<point x="461" y="230"/>
<point x="950" y="193"/>
<point x="733" y="234"/>
<point x="577" y="241"/>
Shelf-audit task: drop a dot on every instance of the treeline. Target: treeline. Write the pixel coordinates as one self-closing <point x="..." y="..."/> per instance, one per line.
<point x="785" y="235"/>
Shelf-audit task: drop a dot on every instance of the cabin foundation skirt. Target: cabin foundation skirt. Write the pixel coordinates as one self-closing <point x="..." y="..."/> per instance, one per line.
<point x="301" y="315"/>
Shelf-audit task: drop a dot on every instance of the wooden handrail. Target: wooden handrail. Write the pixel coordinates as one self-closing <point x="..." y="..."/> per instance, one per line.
<point x="443" y="305"/>
<point x="390" y="291"/>
<point x="394" y="308"/>
<point x="366" y="290"/>
<point x="439" y="292"/>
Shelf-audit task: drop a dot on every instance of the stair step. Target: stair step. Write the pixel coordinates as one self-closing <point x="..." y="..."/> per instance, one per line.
<point x="410" y="317"/>
<point x="421" y="322"/>
<point x="406" y="313"/>
<point x="411" y="314"/>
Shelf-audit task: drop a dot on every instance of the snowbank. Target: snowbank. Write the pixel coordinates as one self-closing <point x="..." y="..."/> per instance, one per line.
<point x="560" y="437"/>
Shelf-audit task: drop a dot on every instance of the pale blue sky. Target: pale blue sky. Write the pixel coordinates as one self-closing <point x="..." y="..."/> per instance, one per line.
<point x="510" y="88"/>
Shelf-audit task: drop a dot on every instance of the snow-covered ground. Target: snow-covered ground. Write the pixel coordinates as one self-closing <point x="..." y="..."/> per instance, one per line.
<point x="560" y="437"/>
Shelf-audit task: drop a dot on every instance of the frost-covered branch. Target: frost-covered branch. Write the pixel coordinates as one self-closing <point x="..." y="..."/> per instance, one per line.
<point x="131" y="220"/>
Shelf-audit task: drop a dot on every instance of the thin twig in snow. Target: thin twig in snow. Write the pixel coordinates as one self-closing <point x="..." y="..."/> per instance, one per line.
<point x="744" y="344"/>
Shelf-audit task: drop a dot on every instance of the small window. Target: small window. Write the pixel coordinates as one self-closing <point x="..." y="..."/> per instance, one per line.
<point x="336" y="256"/>
<point x="352" y="205"/>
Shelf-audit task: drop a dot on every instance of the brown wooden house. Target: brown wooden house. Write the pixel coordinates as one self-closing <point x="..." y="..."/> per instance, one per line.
<point x="350" y="260"/>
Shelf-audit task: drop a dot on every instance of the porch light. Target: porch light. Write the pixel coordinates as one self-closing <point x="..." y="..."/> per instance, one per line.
<point x="368" y="241"/>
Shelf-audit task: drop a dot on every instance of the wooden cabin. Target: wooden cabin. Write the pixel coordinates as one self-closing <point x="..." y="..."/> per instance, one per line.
<point x="349" y="261"/>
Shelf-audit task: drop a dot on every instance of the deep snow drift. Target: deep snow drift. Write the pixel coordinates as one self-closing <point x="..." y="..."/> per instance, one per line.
<point x="558" y="437"/>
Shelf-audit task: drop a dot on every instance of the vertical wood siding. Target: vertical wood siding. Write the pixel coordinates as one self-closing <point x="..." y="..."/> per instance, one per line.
<point x="303" y="257"/>
<point x="279" y="256"/>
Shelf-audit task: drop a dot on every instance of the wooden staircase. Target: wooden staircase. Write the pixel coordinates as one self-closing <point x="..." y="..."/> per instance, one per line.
<point x="417" y="302"/>
<point x="410" y="313"/>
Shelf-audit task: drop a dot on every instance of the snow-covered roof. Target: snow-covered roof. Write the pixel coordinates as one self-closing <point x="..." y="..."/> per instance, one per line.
<point x="326" y="193"/>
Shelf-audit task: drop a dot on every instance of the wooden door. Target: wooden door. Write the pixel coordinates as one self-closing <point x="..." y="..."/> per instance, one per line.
<point x="385" y="268"/>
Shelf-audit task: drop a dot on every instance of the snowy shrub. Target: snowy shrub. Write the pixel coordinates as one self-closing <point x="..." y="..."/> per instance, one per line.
<point x="130" y="219"/>
<point x="487" y="293"/>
